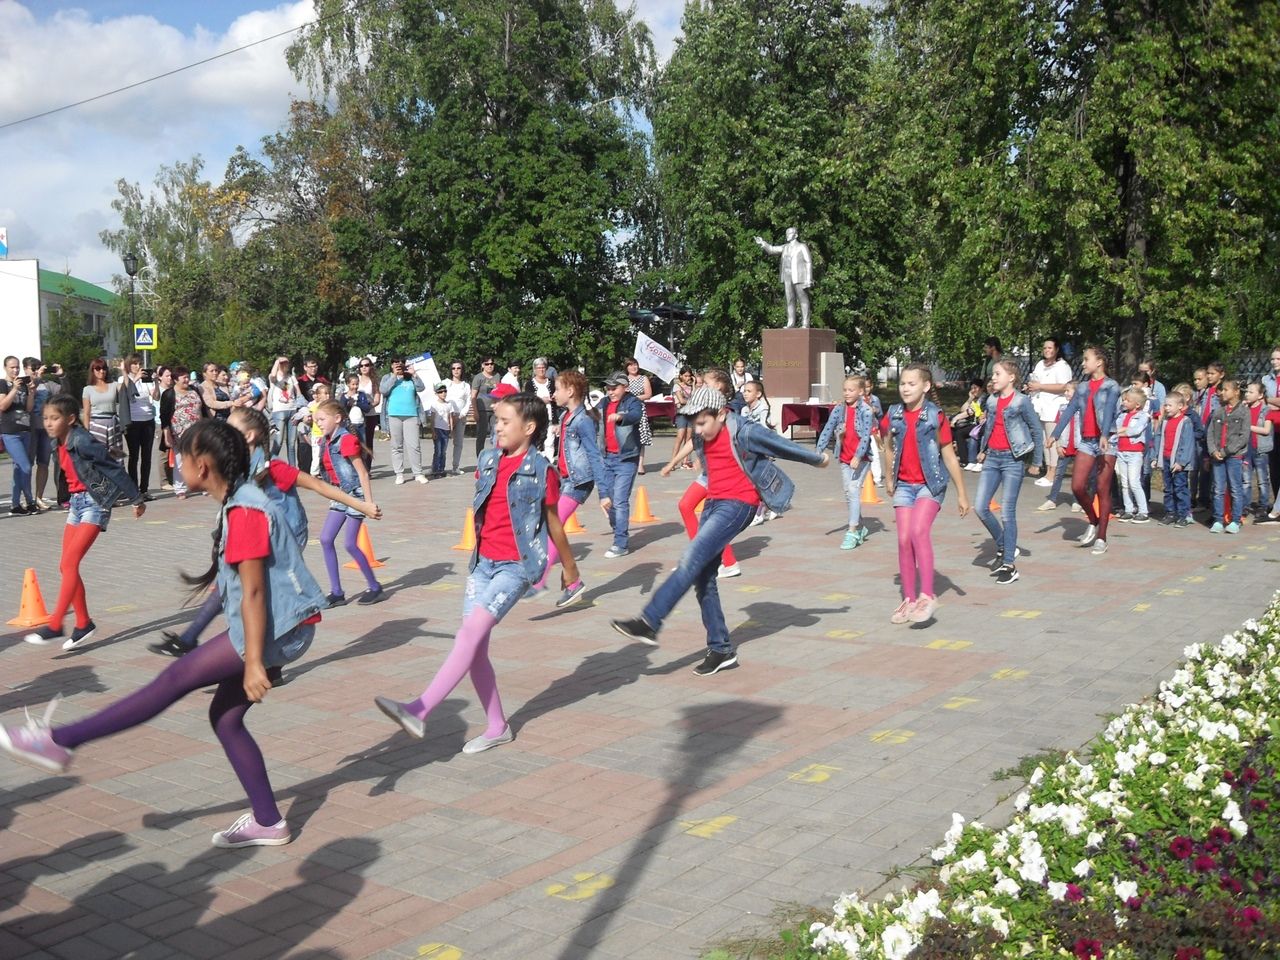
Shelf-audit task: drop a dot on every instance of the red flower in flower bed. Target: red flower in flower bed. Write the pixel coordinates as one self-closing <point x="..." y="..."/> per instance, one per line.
<point x="1231" y="884"/>
<point x="1249" y="777"/>
<point x="1203" y="863"/>
<point x="1249" y="916"/>
<point x="1256" y="804"/>
<point x="1228" y="776"/>
<point x="1220" y="835"/>
<point x="1074" y="893"/>
<point x="1189" y="953"/>
<point x="1088" y="949"/>
<point x="1181" y="847"/>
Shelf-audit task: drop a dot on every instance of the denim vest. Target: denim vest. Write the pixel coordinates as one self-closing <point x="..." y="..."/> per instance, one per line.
<point x="863" y="422"/>
<point x="526" y="492"/>
<point x="1138" y="431"/>
<point x="104" y="479"/>
<point x="581" y="455"/>
<point x="1022" y="427"/>
<point x="292" y="593"/>
<point x="295" y="515"/>
<point x="1263" y="443"/>
<point x="754" y="446"/>
<point x="1104" y="407"/>
<point x="1184" y="443"/>
<point x="627" y="430"/>
<point x="935" y="477"/>
<point x="348" y="479"/>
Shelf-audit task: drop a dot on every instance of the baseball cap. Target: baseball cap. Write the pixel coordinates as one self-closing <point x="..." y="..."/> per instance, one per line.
<point x="617" y="379"/>
<point x="703" y="398"/>
<point x="503" y="390"/>
<point x="441" y="386"/>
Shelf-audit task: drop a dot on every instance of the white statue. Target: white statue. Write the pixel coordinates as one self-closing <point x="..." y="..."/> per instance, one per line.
<point x="796" y="272"/>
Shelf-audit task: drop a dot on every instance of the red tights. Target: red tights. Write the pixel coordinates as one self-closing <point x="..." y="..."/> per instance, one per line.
<point x="76" y="541"/>
<point x="1080" y="472"/>
<point x="688" y="503"/>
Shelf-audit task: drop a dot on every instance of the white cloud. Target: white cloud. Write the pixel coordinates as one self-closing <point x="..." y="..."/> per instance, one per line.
<point x="663" y="18"/>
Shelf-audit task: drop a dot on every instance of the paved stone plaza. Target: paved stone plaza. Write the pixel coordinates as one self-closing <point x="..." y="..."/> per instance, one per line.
<point x="642" y="812"/>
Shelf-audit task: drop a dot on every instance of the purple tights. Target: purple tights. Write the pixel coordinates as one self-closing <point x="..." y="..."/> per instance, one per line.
<point x="213" y="662"/>
<point x="333" y="523"/>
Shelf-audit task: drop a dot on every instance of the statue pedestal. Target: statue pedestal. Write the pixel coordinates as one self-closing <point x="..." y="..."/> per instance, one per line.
<point x="792" y="361"/>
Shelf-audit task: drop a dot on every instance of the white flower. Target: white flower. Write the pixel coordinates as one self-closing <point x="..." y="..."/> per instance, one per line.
<point x="896" y="942"/>
<point x="922" y="905"/>
<point x="1193" y="781"/>
<point x="1125" y="889"/>
<point x="1094" y="840"/>
<point x="1057" y="890"/>
<point x="1157" y="758"/>
<point x="1082" y="868"/>
<point x="1222" y="790"/>
<point x="1125" y="762"/>
<point x="1036" y="776"/>
<point x="1021" y="800"/>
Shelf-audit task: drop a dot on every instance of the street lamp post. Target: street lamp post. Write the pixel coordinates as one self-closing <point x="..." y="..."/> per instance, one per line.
<point x="131" y="268"/>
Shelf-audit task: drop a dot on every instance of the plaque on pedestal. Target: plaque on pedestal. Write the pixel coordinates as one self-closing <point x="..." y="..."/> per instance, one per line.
<point x="792" y="359"/>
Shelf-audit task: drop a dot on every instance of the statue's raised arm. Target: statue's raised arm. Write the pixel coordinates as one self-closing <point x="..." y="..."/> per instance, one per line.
<point x="795" y="269"/>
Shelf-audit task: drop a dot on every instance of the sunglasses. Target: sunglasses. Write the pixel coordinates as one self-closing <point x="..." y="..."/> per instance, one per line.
<point x="366" y="364"/>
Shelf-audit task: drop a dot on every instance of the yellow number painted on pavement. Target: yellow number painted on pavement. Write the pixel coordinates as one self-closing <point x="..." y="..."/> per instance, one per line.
<point x="1009" y="673"/>
<point x="814" y="773"/>
<point x="1021" y="614"/>
<point x="752" y="588"/>
<point x="1171" y="592"/>
<point x="1193" y="580"/>
<point x="584" y="886"/>
<point x="844" y="634"/>
<point x="707" y="828"/>
<point x="439" y="951"/>
<point x="1141" y="607"/>
<point x="955" y="703"/>
<point x="892" y="736"/>
<point x="838" y="596"/>
<point x="949" y="645"/>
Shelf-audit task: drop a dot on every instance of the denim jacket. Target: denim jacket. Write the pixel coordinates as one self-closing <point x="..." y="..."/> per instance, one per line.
<point x="104" y="479"/>
<point x="295" y="515"/>
<point x="292" y="593"/>
<point x="753" y="446"/>
<point x="1139" y="428"/>
<point x="1184" y="443"/>
<point x="627" y="429"/>
<point x="863" y="422"/>
<point x="1104" y="407"/>
<point x="581" y="455"/>
<point x="1022" y="427"/>
<point x="927" y="445"/>
<point x="526" y="493"/>
<point x="1237" y="423"/>
<point x="348" y="479"/>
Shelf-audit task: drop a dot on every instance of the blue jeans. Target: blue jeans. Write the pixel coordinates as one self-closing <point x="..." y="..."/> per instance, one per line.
<point x="1059" y="472"/>
<point x="1000" y="469"/>
<point x="1177" y="493"/>
<point x="439" y="450"/>
<point x="15" y="444"/>
<point x="1256" y="465"/>
<point x="722" y="520"/>
<point x="286" y="436"/>
<point x="853" y="489"/>
<point x="619" y="477"/>
<point x="1228" y="472"/>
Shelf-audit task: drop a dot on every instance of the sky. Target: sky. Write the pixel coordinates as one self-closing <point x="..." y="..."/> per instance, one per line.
<point x="58" y="173"/>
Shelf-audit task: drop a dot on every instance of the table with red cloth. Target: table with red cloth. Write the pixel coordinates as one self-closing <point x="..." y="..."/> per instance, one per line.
<point x="660" y="409"/>
<point x="811" y="415"/>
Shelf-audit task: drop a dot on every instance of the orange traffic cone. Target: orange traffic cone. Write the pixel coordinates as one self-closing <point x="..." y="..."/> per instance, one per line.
<point x="468" y="541"/>
<point x="869" y="495"/>
<point x="698" y="508"/>
<point x="573" y="524"/>
<point x="993" y="506"/>
<point x="365" y="545"/>
<point x="641" y="512"/>
<point x="31" y="613"/>
<point x="1226" y="505"/>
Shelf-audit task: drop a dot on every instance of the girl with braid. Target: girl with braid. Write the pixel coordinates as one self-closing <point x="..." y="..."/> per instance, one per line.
<point x="271" y="604"/>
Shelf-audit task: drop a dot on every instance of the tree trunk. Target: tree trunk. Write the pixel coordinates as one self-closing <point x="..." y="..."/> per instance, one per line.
<point x="1131" y="325"/>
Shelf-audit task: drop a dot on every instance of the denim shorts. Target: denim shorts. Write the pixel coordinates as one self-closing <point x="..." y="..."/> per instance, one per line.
<point x="350" y="511"/>
<point x="495" y="585"/>
<point x="85" y="510"/>
<point x="906" y="494"/>
<point x="579" y="493"/>
<point x="1090" y="448"/>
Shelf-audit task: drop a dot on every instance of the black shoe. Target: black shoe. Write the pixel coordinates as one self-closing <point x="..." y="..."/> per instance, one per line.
<point x="1124" y="517"/>
<point x="17" y="510"/>
<point x="1184" y="522"/>
<point x="1007" y="574"/>
<point x="146" y="497"/>
<point x="336" y="600"/>
<point x="171" y="645"/>
<point x="80" y="636"/>
<point x="636" y="629"/>
<point x="370" y="597"/>
<point x="1168" y="520"/>
<point x="43" y="635"/>
<point x="715" y="662"/>
<point x="1141" y="518"/>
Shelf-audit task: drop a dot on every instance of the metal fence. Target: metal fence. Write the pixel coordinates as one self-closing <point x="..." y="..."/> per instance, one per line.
<point x="1246" y="366"/>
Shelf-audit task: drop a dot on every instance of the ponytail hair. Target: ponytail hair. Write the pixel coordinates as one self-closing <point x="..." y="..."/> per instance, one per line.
<point x="335" y="408"/>
<point x="1011" y="366"/>
<point x="252" y="421"/>
<point x="530" y="410"/>
<point x="721" y="379"/>
<point x="225" y="446"/>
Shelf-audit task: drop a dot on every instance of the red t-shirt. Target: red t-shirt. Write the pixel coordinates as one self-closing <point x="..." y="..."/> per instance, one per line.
<point x="564" y="432"/>
<point x="1089" y="422"/>
<point x="248" y="535"/>
<point x="73" y="480"/>
<point x="851" y="438"/>
<point x="725" y="479"/>
<point x="1171" y="431"/>
<point x="348" y="446"/>
<point x="610" y="428"/>
<point x="497" y="539"/>
<point x="283" y="476"/>
<point x="909" y="469"/>
<point x="999" y="439"/>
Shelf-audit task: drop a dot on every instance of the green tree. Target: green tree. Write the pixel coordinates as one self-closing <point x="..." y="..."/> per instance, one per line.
<point x="66" y="344"/>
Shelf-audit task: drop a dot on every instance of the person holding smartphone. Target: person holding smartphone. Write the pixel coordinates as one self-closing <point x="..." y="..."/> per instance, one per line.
<point x="401" y="407"/>
<point x="16" y="401"/>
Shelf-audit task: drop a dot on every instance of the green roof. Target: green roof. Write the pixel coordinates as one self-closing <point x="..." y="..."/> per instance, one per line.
<point x="53" y="282"/>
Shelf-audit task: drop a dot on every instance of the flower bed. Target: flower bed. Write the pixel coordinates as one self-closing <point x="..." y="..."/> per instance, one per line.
<point x="1160" y="842"/>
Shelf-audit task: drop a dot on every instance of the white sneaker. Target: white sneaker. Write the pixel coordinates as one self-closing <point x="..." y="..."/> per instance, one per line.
<point x="613" y="553"/>
<point x="724" y="573"/>
<point x="482" y="743"/>
<point x="1099" y="548"/>
<point x="399" y="480"/>
<point x="757" y="520"/>
<point x="1047" y="506"/>
<point x="1044" y="482"/>
<point x="1090" y="534"/>
<point x="1076" y="508"/>
<point x="421" y="478"/>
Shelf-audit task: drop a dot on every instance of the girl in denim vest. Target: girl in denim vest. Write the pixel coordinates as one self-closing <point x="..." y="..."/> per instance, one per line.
<point x="281" y="481"/>
<point x="342" y="459"/>
<point x="578" y="466"/>
<point x="95" y="480"/>
<point x="850" y="427"/>
<point x="1095" y="400"/>
<point x="697" y="491"/>
<point x="517" y="494"/>
<point x="1012" y="439"/>
<point x="271" y="604"/>
<point x="917" y="449"/>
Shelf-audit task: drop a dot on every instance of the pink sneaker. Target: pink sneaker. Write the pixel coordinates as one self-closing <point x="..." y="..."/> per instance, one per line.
<point x="247" y="832"/>
<point x="34" y="743"/>
<point x="925" y="608"/>
<point x="903" y="613"/>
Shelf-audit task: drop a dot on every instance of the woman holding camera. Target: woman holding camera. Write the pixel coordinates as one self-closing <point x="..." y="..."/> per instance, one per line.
<point x="401" y="406"/>
<point x="16" y="401"/>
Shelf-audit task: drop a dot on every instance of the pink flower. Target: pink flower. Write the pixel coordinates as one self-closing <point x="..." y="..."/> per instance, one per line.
<point x="1189" y="953"/>
<point x="1181" y="847"/>
<point x="1134" y="903"/>
<point x="1249" y="916"/>
<point x="1231" y="884"/>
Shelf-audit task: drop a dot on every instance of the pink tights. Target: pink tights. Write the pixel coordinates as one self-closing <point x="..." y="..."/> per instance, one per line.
<point x="470" y="654"/>
<point x="565" y="509"/>
<point x="915" y="546"/>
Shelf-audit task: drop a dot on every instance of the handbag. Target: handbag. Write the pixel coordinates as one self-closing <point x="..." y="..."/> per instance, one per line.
<point x="128" y="390"/>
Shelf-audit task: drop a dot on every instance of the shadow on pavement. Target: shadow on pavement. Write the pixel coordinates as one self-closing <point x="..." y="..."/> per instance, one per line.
<point x="67" y="681"/>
